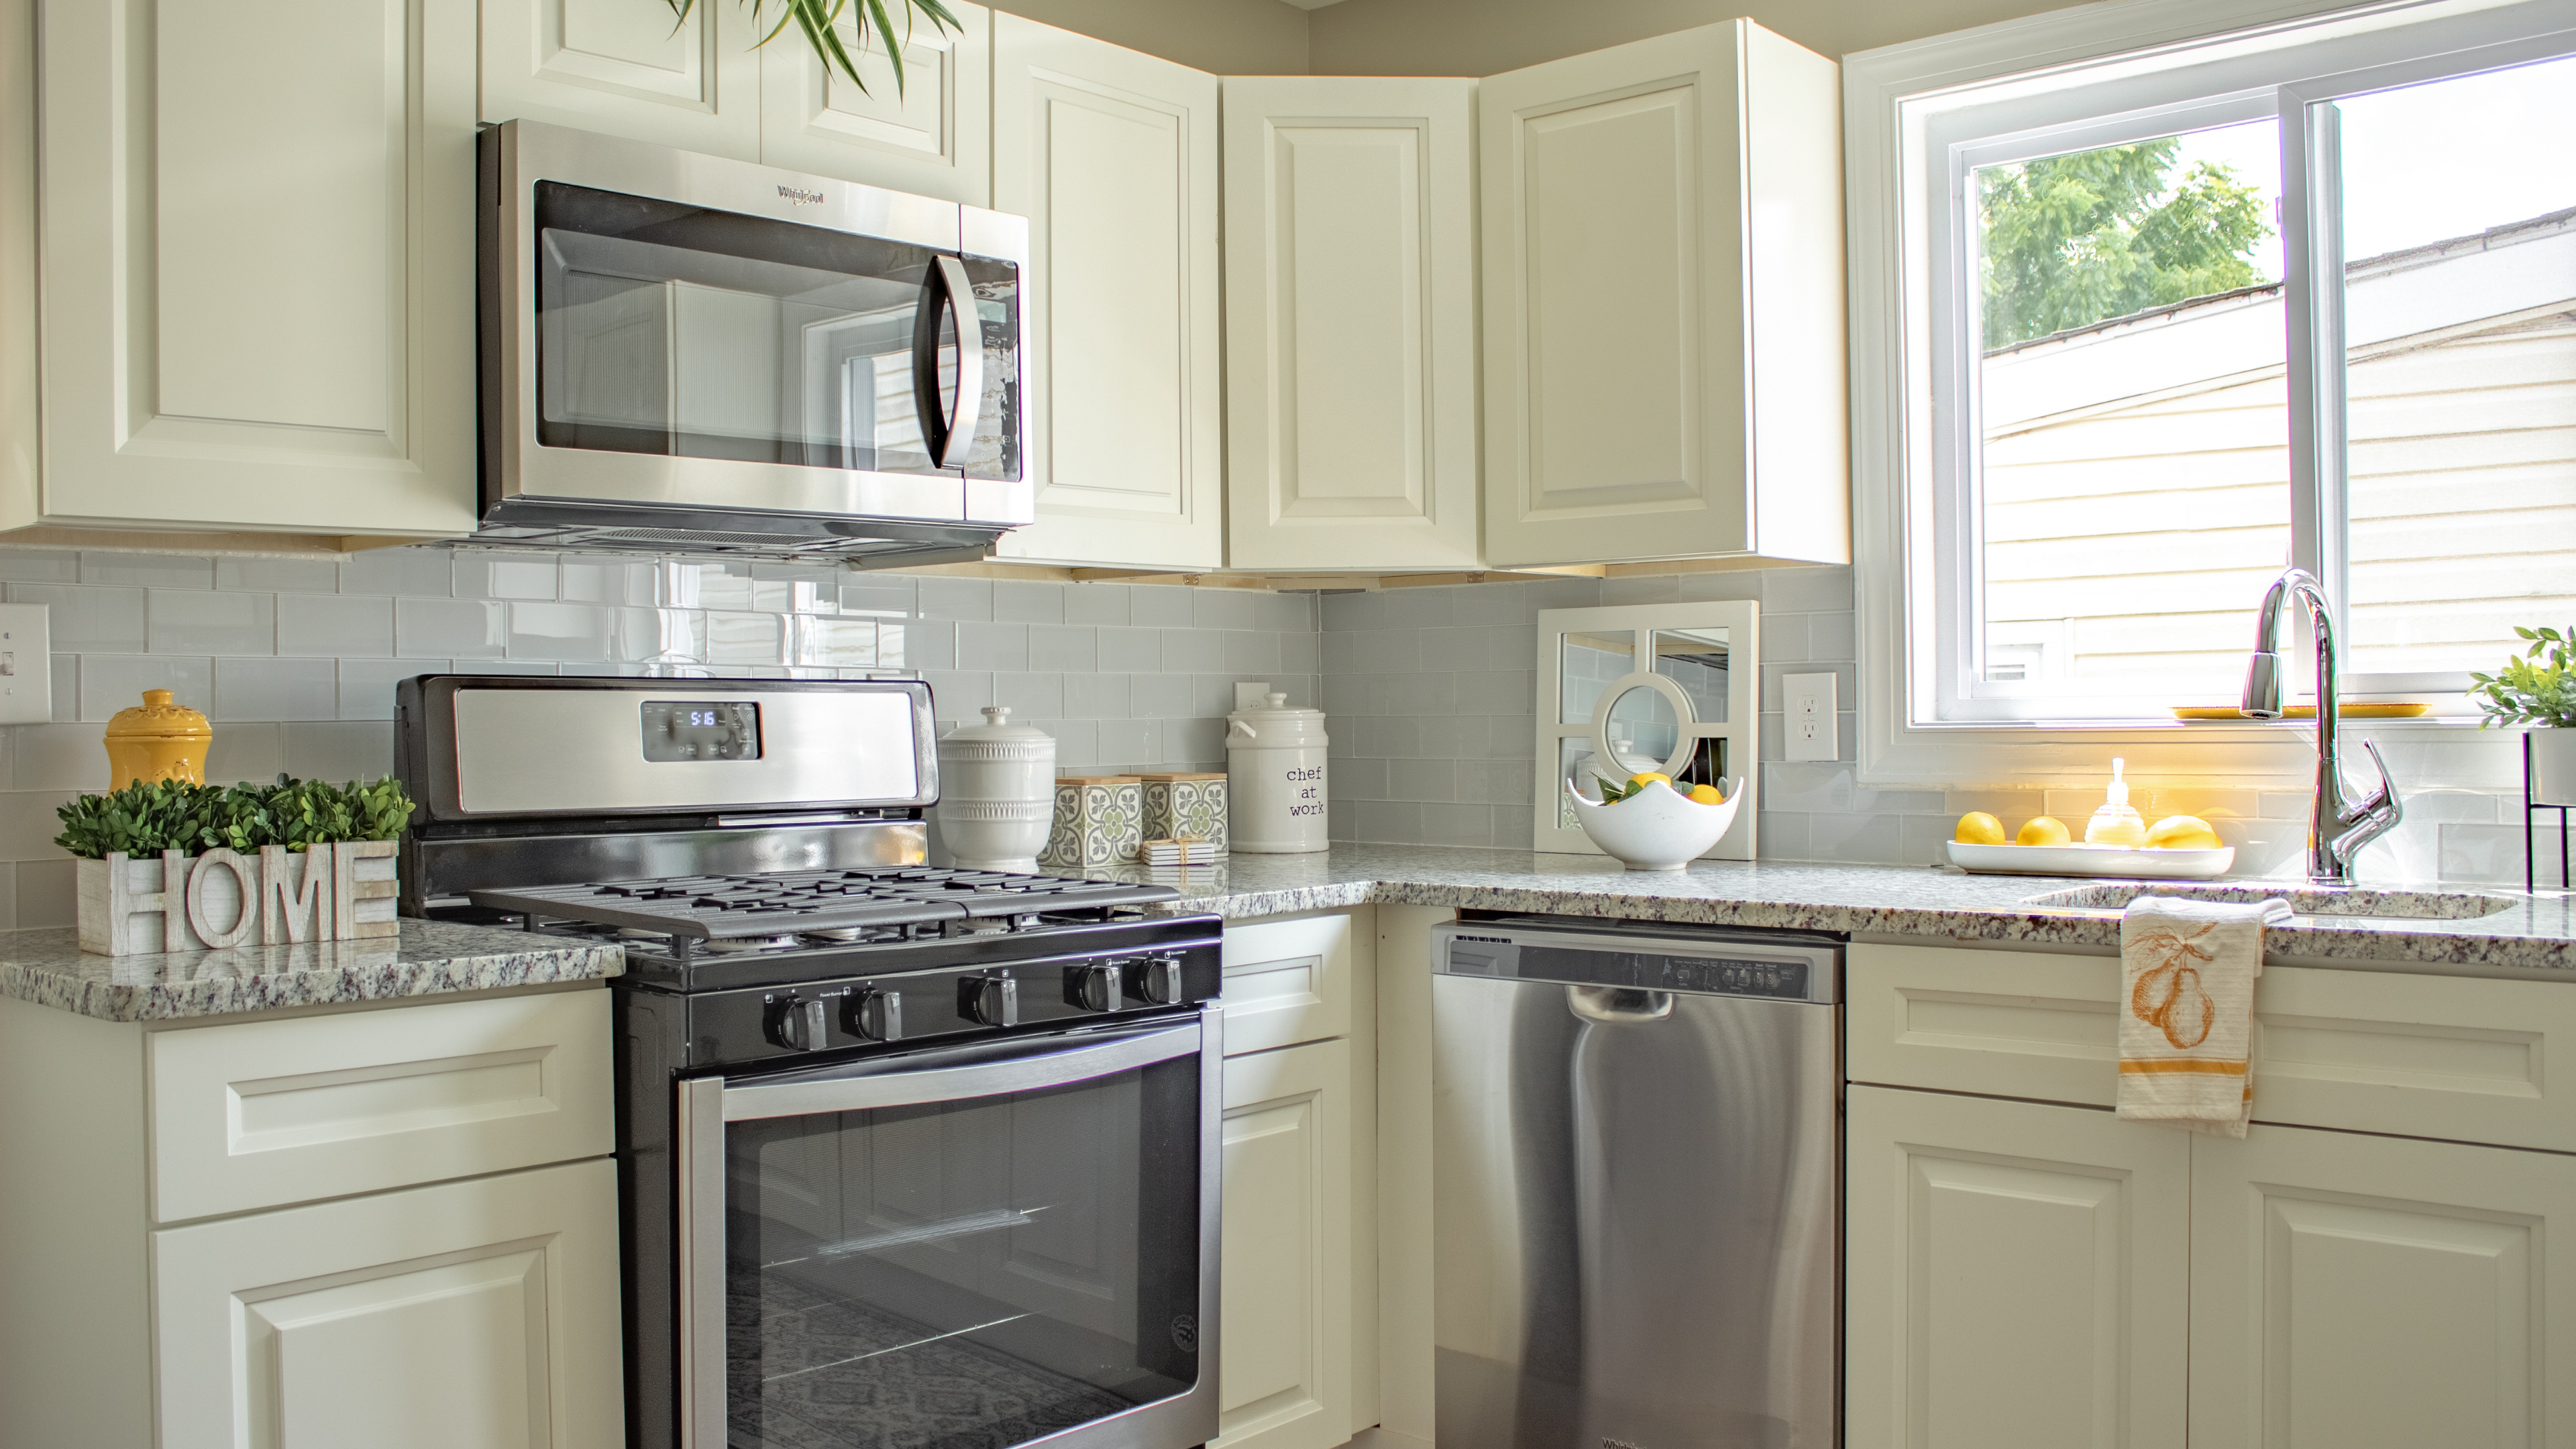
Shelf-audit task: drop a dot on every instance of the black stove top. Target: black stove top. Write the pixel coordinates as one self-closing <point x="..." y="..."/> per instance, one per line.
<point x="837" y="905"/>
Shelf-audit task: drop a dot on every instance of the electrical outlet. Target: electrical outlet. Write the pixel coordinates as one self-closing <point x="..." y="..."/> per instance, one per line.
<point x="1807" y="702"/>
<point x="1248" y="695"/>
<point x="26" y="664"/>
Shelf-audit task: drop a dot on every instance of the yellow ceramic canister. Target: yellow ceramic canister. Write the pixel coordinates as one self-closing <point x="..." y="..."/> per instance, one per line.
<point x="159" y="739"/>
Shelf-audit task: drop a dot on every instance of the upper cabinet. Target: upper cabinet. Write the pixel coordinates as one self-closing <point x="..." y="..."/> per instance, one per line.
<point x="1663" y="319"/>
<point x="623" y="68"/>
<point x="1350" y="323"/>
<point x="258" y="285"/>
<point x="933" y="136"/>
<point x="1112" y="156"/>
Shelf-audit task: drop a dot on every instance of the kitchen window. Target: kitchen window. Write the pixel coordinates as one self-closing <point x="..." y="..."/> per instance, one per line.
<point x="2172" y="318"/>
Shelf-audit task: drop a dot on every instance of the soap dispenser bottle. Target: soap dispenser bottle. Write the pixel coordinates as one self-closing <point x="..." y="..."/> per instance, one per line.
<point x="2117" y="822"/>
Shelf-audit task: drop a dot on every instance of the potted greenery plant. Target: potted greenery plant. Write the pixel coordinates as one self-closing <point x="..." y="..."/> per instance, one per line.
<point x="167" y="865"/>
<point x="2538" y="688"/>
<point x="819" y="21"/>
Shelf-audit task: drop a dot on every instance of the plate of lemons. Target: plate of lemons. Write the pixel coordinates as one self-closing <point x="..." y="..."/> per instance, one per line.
<point x="2178" y="847"/>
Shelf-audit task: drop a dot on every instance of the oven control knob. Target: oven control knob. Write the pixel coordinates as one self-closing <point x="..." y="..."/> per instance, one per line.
<point x="873" y="1015"/>
<point x="801" y="1026"/>
<point x="1091" y="988"/>
<point x="992" y="1000"/>
<point x="1157" y="979"/>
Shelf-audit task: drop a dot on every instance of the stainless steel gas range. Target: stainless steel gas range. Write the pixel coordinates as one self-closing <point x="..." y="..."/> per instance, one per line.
<point x="907" y="1155"/>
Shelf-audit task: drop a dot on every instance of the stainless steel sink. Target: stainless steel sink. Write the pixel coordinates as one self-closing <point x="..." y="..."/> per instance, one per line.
<point x="2307" y="900"/>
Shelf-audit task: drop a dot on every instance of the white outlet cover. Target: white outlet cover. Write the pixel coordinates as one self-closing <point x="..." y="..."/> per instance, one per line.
<point x="26" y="664"/>
<point x="1807" y="709"/>
<point x="1249" y="696"/>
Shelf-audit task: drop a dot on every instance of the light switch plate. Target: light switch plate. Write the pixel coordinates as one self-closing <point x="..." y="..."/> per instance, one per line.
<point x="1807" y="705"/>
<point x="26" y="664"/>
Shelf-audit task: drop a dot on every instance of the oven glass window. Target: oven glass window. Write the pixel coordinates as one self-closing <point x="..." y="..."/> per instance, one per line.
<point x="676" y="330"/>
<point x="972" y="1273"/>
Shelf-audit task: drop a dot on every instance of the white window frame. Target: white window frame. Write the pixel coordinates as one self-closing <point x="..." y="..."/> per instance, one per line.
<point x="1918" y="118"/>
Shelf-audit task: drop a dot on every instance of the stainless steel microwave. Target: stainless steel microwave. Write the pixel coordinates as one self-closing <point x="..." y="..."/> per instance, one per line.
<point x="687" y="352"/>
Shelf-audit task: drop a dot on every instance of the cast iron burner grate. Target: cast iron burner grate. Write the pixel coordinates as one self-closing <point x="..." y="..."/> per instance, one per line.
<point x="888" y="902"/>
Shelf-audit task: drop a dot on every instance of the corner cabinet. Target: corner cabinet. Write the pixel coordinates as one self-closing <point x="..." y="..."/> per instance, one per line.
<point x="1112" y="156"/>
<point x="1663" y="312"/>
<point x="2023" y="1275"/>
<point x="1350" y="256"/>
<point x="258" y="283"/>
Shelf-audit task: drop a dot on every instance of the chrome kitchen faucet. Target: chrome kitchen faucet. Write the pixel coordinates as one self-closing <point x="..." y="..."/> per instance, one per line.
<point x="2337" y="829"/>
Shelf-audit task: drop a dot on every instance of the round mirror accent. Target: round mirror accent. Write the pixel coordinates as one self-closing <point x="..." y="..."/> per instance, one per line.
<point x="1642" y="710"/>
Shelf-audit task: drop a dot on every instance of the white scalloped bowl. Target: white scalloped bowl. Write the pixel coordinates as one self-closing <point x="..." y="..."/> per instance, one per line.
<point x="1658" y="828"/>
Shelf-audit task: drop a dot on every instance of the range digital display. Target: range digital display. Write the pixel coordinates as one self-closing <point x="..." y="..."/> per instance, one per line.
<point x="696" y="729"/>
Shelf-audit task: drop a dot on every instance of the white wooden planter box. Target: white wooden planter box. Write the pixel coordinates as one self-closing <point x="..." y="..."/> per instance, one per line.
<point x="223" y="899"/>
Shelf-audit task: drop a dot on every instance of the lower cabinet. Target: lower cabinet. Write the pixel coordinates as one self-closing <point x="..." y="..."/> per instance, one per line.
<point x="2017" y="1276"/>
<point x="479" y="1313"/>
<point x="2380" y="1293"/>
<point x="1284" y="1358"/>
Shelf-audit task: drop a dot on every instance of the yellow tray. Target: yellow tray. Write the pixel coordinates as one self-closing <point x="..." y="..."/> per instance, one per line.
<point x="2307" y="711"/>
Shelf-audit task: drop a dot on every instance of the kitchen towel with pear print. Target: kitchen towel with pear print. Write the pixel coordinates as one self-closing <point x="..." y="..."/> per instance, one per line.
<point x="2187" y="970"/>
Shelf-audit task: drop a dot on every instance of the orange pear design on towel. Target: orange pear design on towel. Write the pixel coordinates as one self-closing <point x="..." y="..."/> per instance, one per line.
<point x="2169" y="997"/>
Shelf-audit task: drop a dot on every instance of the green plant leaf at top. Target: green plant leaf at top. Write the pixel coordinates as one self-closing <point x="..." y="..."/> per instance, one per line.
<point x="819" y="22"/>
<point x="146" y="818"/>
<point x="2537" y="686"/>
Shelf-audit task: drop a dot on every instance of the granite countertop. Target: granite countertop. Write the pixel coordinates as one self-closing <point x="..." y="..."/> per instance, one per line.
<point x="2534" y="935"/>
<point x="428" y="958"/>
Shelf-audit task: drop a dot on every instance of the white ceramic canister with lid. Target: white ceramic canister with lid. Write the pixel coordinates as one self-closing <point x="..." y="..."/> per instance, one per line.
<point x="1274" y="778"/>
<point x="996" y="793"/>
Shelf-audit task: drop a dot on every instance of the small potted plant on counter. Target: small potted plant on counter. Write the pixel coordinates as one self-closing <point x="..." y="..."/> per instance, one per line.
<point x="168" y="865"/>
<point x="2538" y="688"/>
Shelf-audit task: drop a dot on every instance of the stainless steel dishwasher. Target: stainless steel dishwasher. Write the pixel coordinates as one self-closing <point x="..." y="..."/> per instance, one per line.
<point x="1637" y="1185"/>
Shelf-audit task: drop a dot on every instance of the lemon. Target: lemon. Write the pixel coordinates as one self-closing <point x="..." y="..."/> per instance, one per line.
<point x="1643" y="777"/>
<point x="2183" y="832"/>
<point x="1707" y="795"/>
<point x="2043" y="830"/>
<point x="1978" y="828"/>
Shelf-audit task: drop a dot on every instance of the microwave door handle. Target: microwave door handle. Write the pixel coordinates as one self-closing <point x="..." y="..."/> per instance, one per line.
<point x="969" y="407"/>
<point x="947" y="433"/>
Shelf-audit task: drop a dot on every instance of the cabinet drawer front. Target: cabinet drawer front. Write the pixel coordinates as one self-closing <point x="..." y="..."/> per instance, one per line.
<point x="470" y="1313"/>
<point x="2457" y="1058"/>
<point x="1287" y="982"/>
<point x="266" y="1113"/>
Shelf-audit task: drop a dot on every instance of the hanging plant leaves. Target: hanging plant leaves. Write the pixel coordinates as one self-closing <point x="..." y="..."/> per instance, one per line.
<point x="819" y="22"/>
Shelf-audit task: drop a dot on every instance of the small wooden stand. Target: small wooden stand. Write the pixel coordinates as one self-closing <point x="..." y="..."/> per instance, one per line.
<point x="2530" y="868"/>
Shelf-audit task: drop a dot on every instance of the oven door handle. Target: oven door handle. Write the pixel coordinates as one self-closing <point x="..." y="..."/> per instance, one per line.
<point x="706" y="1104"/>
<point x="1038" y="1065"/>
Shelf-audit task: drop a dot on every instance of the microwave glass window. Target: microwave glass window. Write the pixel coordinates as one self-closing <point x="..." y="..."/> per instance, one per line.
<point x="977" y="1272"/>
<point x="694" y="729"/>
<point x="676" y="330"/>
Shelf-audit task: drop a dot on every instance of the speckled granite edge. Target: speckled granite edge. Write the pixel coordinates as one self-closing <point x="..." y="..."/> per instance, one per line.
<point x="2532" y="934"/>
<point x="428" y="958"/>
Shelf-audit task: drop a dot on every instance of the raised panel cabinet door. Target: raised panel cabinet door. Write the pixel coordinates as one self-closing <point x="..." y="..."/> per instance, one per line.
<point x="629" y="70"/>
<point x="931" y="136"/>
<point x="2016" y="1276"/>
<point x="1112" y="156"/>
<point x="1287" y="1342"/>
<point x="2368" y="1292"/>
<point x="479" y="1313"/>
<point x="1663" y="270"/>
<point x="259" y="265"/>
<point x="1290" y="981"/>
<point x="1350" y="254"/>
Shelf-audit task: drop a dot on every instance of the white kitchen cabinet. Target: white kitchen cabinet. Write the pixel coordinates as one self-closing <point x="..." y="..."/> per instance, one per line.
<point x="931" y="137"/>
<point x="1350" y="255"/>
<point x="2016" y="1275"/>
<point x="258" y="280"/>
<point x="625" y="69"/>
<point x="2380" y="1293"/>
<point x="1285" y="1356"/>
<point x="1663" y="318"/>
<point x="1112" y="156"/>
<point x="473" y="1313"/>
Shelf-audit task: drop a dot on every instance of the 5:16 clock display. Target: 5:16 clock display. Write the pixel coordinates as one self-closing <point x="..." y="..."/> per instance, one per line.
<point x="698" y="730"/>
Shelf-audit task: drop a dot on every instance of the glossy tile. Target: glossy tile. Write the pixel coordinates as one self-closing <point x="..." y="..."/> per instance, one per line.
<point x="335" y="624"/>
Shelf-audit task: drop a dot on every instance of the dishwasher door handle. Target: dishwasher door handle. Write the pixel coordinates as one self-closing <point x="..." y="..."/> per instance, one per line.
<point x="1618" y="1005"/>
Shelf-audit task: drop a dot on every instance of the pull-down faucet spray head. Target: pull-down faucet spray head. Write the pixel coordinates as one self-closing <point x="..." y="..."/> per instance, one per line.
<point x="2263" y="672"/>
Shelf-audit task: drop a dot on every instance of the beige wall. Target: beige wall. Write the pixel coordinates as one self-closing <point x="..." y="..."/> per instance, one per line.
<point x="1487" y="37"/>
<point x="1228" y="37"/>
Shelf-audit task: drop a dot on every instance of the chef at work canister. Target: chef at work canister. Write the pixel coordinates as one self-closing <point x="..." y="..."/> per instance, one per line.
<point x="1274" y="778"/>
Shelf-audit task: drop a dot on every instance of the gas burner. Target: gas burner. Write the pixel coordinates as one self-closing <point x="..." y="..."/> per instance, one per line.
<point x="859" y="907"/>
<point x="752" y="943"/>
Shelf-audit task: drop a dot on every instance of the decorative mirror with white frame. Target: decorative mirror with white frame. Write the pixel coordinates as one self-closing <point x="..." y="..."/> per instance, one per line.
<point x="1669" y="687"/>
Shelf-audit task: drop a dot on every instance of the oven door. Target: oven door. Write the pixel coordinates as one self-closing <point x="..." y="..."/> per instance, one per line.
<point x="1011" y="1243"/>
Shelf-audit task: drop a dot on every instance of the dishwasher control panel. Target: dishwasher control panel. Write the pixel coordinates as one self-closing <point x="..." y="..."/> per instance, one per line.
<point x="1782" y="967"/>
